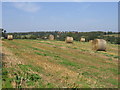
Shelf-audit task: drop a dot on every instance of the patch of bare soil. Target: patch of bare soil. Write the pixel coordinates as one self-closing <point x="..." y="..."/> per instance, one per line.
<point x="9" y="58"/>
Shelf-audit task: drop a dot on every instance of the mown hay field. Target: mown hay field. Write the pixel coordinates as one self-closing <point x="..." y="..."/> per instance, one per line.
<point x="0" y="75"/>
<point x="56" y="64"/>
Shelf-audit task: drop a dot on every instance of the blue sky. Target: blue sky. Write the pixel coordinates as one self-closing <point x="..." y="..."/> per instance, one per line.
<point x="60" y="16"/>
<point x="0" y="14"/>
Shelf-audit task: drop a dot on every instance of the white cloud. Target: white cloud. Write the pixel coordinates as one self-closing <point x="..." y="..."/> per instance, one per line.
<point x="27" y="6"/>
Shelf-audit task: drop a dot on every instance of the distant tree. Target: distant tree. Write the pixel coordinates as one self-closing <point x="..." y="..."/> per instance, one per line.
<point x="63" y="35"/>
<point x="3" y="33"/>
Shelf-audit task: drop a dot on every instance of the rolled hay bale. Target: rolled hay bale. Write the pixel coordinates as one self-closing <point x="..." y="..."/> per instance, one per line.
<point x="45" y="37"/>
<point x="38" y="38"/>
<point x="10" y="37"/>
<point x="82" y="40"/>
<point x="58" y="36"/>
<point x="99" y="45"/>
<point x="90" y="41"/>
<point x="51" y="37"/>
<point x="2" y="38"/>
<point x="69" y="40"/>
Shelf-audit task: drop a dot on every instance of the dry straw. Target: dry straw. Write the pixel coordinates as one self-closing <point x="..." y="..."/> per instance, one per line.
<point x="90" y="41"/>
<point x="82" y="40"/>
<point x="45" y="37"/>
<point x="2" y="38"/>
<point x="51" y="37"/>
<point x="10" y="37"/>
<point x="99" y="45"/>
<point x="58" y="36"/>
<point x="69" y="40"/>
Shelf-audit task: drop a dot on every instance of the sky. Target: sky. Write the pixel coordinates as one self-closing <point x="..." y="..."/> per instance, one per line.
<point x="0" y="14"/>
<point x="59" y="16"/>
<point x="60" y="0"/>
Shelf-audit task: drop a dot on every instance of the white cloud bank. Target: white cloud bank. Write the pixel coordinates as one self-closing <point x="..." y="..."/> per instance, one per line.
<point x="27" y="6"/>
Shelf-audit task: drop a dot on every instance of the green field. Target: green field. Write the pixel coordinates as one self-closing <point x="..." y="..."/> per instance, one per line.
<point x="55" y="64"/>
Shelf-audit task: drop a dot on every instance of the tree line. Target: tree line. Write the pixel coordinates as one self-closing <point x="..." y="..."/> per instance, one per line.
<point x="112" y="37"/>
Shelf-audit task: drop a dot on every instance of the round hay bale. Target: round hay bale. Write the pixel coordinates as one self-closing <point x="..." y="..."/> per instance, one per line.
<point x="58" y="36"/>
<point x="69" y="40"/>
<point x="51" y="37"/>
<point x="82" y="40"/>
<point x="45" y="37"/>
<point x="90" y="41"/>
<point x="2" y="38"/>
<point x="10" y="37"/>
<point x="38" y="38"/>
<point x="99" y="45"/>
